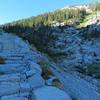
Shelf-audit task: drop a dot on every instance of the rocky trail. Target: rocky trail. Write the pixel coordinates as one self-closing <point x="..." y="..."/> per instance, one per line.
<point x="20" y="77"/>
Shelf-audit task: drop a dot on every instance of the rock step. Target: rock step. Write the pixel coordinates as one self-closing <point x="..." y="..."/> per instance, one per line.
<point x="13" y="52"/>
<point x="11" y="57"/>
<point x="22" y="96"/>
<point x="14" y="62"/>
<point x="19" y="54"/>
<point x="18" y="77"/>
<point x="14" y="98"/>
<point x="8" y="88"/>
<point x="11" y="68"/>
<point x="10" y="78"/>
<point x="11" y="65"/>
<point x="14" y="59"/>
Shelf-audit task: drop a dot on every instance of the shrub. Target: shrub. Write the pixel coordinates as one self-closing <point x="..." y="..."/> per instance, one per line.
<point x="2" y="60"/>
<point x="56" y="55"/>
<point x="95" y="33"/>
<point x="46" y="72"/>
<point x="93" y="69"/>
<point x="1" y="73"/>
<point x="57" y="84"/>
<point x="81" y="69"/>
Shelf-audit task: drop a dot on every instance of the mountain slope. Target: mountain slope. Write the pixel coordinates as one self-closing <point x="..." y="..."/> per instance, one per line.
<point x="41" y="27"/>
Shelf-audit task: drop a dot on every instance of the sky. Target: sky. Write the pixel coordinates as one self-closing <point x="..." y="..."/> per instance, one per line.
<point x="12" y="10"/>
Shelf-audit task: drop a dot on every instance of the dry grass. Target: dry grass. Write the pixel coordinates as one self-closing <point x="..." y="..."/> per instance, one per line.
<point x="46" y="72"/>
<point x="58" y="84"/>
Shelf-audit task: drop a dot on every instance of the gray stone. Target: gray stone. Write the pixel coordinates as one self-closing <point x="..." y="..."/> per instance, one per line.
<point x="36" y="81"/>
<point x="50" y="93"/>
<point x="13" y="98"/>
<point x="11" y="68"/>
<point x="10" y="78"/>
<point x="30" y="73"/>
<point x="9" y="88"/>
<point x="24" y="87"/>
<point x="77" y="88"/>
<point x="36" y="67"/>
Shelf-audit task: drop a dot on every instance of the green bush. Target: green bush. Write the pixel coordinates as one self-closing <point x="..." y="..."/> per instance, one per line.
<point x="81" y="69"/>
<point x="93" y="71"/>
<point x="46" y="72"/>
<point x="56" y="55"/>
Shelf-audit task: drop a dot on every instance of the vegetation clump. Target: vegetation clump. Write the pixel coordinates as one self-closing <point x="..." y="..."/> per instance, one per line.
<point x="91" y="70"/>
<point x="46" y="72"/>
<point x="94" y="6"/>
<point x="2" y="60"/>
<point x="57" y="84"/>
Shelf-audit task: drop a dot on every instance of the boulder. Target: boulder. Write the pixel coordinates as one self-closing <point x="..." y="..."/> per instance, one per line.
<point x="36" y="67"/>
<point x="50" y="93"/>
<point x="9" y="88"/>
<point x="36" y="81"/>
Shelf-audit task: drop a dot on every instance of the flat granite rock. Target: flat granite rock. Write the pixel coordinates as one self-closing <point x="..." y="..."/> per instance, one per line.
<point x="50" y="93"/>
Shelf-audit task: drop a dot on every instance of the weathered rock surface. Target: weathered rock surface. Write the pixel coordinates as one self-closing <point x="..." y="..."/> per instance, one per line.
<point x="78" y="88"/>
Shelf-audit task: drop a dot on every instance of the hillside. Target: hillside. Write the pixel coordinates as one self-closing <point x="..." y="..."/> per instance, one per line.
<point x="41" y="27"/>
<point x="68" y="44"/>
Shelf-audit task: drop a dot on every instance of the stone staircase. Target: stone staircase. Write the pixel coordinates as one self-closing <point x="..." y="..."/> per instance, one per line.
<point x="15" y="78"/>
<point x="20" y="78"/>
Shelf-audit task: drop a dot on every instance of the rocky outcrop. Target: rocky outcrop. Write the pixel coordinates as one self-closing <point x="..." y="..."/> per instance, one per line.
<point x="72" y="49"/>
<point x="20" y="76"/>
<point x="93" y="19"/>
<point x="74" y="54"/>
